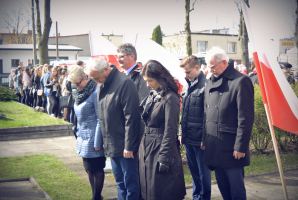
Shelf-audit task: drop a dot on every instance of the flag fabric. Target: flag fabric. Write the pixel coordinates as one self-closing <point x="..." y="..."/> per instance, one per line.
<point x="275" y="89"/>
<point x="101" y="47"/>
<point x="148" y="49"/>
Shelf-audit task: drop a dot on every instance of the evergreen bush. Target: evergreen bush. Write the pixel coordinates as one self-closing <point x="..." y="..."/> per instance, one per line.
<point x="157" y="35"/>
<point x="6" y="94"/>
<point x="260" y="136"/>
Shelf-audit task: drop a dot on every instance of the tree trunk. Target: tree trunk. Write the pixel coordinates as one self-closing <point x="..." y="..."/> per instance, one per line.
<point x="243" y="38"/>
<point x="296" y="28"/>
<point x="43" y="38"/>
<point x="187" y="28"/>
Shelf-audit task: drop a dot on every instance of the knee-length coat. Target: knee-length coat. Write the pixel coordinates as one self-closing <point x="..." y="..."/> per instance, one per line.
<point x="158" y="145"/>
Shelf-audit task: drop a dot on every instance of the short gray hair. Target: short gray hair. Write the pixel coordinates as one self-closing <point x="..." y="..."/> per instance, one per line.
<point x="217" y="54"/>
<point x="96" y="64"/>
<point x="76" y="74"/>
<point x="128" y="49"/>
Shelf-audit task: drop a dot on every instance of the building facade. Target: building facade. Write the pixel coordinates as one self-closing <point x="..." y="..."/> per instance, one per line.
<point x="285" y="44"/>
<point x="12" y="54"/>
<point x="203" y="41"/>
<point x="82" y="41"/>
<point x="16" y="38"/>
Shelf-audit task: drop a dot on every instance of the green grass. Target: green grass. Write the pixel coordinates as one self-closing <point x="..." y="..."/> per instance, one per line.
<point x="259" y="163"/>
<point x="23" y="115"/>
<point x="51" y="174"/>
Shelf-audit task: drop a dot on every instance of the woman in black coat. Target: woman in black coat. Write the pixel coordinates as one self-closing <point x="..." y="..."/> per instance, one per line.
<point x="36" y="83"/>
<point x="160" y="165"/>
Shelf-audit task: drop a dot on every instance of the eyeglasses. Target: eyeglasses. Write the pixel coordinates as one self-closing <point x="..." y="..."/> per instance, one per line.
<point x="78" y="84"/>
<point x="122" y="56"/>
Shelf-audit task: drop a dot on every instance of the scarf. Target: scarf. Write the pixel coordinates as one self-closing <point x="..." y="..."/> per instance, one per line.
<point x="154" y="96"/>
<point x="81" y="95"/>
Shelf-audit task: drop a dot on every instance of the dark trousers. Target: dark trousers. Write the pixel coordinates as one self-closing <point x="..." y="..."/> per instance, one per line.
<point x="20" y="99"/>
<point x="230" y="182"/>
<point x="37" y="101"/>
<point x="126" y="174"/>
<point x="44" y="102"/>
<point x="27" y="97"/>
<point x="54" y="104"/>
<point x="200" y="173"/>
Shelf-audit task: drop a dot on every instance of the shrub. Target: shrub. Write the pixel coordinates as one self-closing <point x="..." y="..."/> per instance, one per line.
<point x="260" y="135"/>
<point x="157" y="35"/>
<point x="7" y="94"/>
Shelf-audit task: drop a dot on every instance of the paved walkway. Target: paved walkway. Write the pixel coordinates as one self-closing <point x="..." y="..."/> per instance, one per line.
<point x="260" y="187"/>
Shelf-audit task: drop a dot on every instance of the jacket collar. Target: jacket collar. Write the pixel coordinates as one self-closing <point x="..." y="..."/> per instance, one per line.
<point x="228" y="73"/>
<point x="135" y="70"/>
<point x="198" y="79"/>
<point x="110" y="77"/>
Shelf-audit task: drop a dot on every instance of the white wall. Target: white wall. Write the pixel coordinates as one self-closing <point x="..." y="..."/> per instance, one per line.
<point x="7" y="55"/>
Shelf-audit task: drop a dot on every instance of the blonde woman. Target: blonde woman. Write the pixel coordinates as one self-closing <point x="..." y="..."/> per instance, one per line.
<point x="89" y="137"/>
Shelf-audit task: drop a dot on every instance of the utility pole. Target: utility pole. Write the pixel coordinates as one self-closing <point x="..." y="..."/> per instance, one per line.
<point x="57" y="50"/>
<point x="33" y="35"/>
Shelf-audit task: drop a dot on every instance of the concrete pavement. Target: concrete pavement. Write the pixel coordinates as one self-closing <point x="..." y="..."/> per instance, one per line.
<point x="258" y="187"/>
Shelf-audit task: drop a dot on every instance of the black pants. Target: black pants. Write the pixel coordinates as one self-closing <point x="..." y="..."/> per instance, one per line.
<point x="44" y="102"/>
<point x="54" y="104"/>
<point x="37" y="101"/>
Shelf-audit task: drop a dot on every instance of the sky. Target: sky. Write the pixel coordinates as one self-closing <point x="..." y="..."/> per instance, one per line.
<point x="142" y="16"/>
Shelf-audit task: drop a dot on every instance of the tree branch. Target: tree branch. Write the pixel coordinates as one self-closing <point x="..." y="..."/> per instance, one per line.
<point x="193" y="6"/>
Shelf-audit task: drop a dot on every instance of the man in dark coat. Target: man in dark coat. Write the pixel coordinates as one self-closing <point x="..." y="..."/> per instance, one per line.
<point x="191" y="127"/>
<point x="127" y="59"/>
<point x="229" y="109"/>
<point x="119" y="117"/>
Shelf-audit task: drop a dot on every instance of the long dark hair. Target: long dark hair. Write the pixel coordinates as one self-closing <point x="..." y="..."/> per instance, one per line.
<point x="27" y="71"/>
<point x="156" y="70"/>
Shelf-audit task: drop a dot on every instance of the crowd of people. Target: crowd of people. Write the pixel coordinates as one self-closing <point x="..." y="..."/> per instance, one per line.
<point x="41" y="87"/>
<point x="132" y="116"/>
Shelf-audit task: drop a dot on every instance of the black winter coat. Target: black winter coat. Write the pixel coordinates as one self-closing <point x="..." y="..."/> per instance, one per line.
<point x="192" y="114"/>
<point x="158" y="145"/>
<point x="229" y="108"/>
<point x="141" y="84"/>
<point x="36" y="82"/>
<point x="119" y="115"/>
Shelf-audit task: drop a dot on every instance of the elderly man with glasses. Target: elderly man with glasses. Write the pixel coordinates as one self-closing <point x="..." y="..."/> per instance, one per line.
<point x="127" y="59"/>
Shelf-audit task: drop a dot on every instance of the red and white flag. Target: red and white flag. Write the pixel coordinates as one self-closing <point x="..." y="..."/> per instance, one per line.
<point x="275" y="89"/>
<point x="101" y="47"/>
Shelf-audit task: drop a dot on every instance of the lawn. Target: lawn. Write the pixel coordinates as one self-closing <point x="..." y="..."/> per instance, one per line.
<point x="51" y="174"/>
<point x="259" y="163"/>
<point x="23" y="115"/>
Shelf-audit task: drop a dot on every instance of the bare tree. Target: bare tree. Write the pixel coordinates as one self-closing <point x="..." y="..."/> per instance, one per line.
<point x="187" y="26"/>
<point x="296" y="25"/>
<point x="43" y="37"/>
<point x="15" y="23"/>
<point x="243" y="36"/>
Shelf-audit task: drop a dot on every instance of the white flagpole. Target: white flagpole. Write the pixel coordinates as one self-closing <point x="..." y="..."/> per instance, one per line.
<point x="281" y="173"/>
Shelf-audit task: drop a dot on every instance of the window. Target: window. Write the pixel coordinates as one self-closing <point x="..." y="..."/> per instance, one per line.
<point x="15" y="63"/>
<point x="232" y="47"/>
<point x="23" y="40"/>
<point x="202" y="46"/>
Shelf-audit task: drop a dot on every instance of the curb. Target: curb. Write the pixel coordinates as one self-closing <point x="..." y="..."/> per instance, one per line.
<point x="250" y="175"/>
<point x="33" y="182"/>
<point x="33" y="132"/>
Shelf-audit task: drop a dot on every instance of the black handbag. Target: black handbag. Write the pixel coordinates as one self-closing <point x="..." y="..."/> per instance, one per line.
<point x="66" y="101"/>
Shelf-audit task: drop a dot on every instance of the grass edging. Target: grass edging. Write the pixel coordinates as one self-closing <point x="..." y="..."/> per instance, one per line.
<point x="34" y="183"/>
<point x="52" y="175"/>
